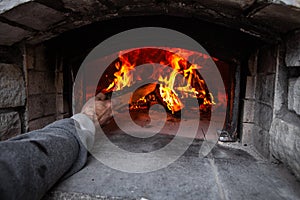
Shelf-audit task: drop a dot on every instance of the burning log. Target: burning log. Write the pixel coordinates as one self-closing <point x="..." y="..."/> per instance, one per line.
<point x="121" y="74"/>
<point x="136" y="99"/>
<point x="171" y="89"/>
<point x="146" y="96"/>
<point x="168" y="99"/>
<point x="143" y="92"/>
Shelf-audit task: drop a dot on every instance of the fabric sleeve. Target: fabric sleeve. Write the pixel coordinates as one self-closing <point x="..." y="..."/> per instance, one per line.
<point x="30" y="164"/>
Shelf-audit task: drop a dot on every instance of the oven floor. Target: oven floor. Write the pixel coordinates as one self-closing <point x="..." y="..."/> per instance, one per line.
<point x="231" y="171"/>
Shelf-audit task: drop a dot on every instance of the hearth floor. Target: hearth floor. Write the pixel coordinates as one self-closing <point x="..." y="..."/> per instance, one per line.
<point x="231" y="171"/>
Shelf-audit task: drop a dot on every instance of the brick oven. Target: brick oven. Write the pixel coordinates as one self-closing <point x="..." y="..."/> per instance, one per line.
<point x="256" y="46"/>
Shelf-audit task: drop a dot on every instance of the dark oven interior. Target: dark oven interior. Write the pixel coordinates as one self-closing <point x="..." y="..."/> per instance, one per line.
<point x="228" y="48"/>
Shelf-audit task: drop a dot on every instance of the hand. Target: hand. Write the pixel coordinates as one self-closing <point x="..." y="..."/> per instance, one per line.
<point x="98" y="109"/>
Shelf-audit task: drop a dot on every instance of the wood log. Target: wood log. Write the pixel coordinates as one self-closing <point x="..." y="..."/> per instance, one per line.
<point x="124" y="95"/>
<point x="176" y="112"/>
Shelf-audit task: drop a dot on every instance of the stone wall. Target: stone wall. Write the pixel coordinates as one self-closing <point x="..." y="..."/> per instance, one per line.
<point x="258" y="101"/>
<point x="63" y="93"/>
<point x="271" y="116"/>
<point x="12" y="101"/>
<point x="285" y="128"/>
<point x="31" y="90"/>
<point x="41" y="88"/>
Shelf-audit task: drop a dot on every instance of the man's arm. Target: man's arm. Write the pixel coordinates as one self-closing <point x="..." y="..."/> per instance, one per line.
<point x="32" y="163"/>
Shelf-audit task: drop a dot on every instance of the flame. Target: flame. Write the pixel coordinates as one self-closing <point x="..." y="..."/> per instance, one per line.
<point x="139" y="102"/>
<point x="170" y="89"/>
<point x="170" y="98"/>
<point x="123" y="77"/>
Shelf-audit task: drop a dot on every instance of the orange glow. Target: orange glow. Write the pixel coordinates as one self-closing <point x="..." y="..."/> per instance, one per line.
<point x="171" y="99"/>
<point x="182" y="80"/>
<point x="123" y="75"/>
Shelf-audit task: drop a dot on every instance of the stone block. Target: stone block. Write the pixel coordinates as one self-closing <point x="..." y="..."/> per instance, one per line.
<point x="49" y="103"/>
<point x="250" y="87"/>
<point x="261" y="140"/>
<point x="30" y="61"/>
<point x="62" y="104"/>
<point x="11" y="34"/>
<point x="10" y="125"/>
<point x="247" y="135"/>
<point x="292" y="58"/>
<point x="59" y="82"/>
<point x="11" y="55"/>
<point x="232" y="7"/>
<point x="122" y="3"/>
<point x="35" y="106"/>
<point x="281" y="88"/>
<point x="84" y="6"/>
<point x="249" y="108"/>
<point x="252" y="64"/>
<point x="49" y="82"/>
<point x="294" y="95"/>
<point x="40" y="122"/>
<point x="12" y="86"/>
<point x="6" y="5"/>
<point x="278" y="17"/>
<point x="267" y="60"/>
<point x="263" y="116"/>
<point x="41" y="82"/>
<point x="285" y="144"/>
<point x="292" y="82"/>
<point x="295" y="3"/>
<point x="40" y="63"/>
<point x="297" y="96"/>
<point x="41" y="105"/>
<point x="265" y="86"/>
<point x="36" y="81"/>
<point x="34" y="15"/>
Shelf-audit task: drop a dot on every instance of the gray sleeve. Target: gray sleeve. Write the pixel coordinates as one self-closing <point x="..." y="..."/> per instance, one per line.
<point x="32" y="163"/>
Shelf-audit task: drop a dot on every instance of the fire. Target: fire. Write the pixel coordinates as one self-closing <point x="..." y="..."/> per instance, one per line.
<point x="171" y="99"/>
<point x="123" y="77"/>
<point x="182" y="79"/>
